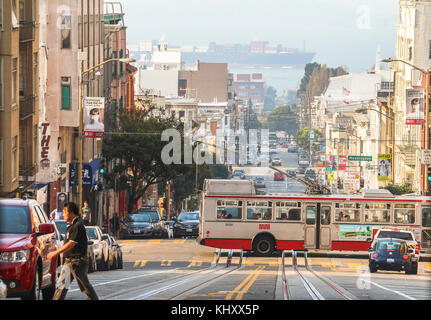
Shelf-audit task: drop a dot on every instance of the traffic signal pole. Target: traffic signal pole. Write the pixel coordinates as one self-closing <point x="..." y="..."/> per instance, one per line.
<point x="169" y="201"/>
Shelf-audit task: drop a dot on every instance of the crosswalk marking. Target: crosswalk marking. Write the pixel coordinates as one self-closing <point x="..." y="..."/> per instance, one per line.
<point x="142" y="262"/>
<point x="195" y="263"/>
<point x="166" y="263"/>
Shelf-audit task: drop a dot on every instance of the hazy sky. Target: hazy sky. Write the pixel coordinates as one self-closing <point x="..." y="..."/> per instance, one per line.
<point x="341" y="32"/>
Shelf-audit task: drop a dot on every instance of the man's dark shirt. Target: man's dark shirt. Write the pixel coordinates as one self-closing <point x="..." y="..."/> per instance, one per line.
<point x="76" y="232"/>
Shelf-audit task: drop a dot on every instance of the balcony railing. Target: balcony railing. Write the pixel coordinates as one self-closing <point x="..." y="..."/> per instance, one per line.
<point x="26" y="31"/>
<point x="26" y="107"/>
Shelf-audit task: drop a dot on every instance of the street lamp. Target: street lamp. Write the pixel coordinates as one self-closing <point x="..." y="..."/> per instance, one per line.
<point x="427" y="85"/>
<point x="81" y="121"/>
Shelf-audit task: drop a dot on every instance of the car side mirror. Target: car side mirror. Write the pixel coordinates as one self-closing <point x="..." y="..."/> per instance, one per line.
<point x="370" y="249"/>
<point x="368" y="240"/>
<point x="105" y="237"/>
<point x="90" y="242"/>
<point x="46" y="228"/>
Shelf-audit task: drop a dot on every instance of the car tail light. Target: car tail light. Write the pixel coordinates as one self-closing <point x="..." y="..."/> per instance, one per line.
<point x="405" y="257"/>
<point x="376" y="255"/>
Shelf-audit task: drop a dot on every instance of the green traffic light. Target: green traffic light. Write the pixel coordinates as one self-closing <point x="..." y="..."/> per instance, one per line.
<point x="102" y="170"/>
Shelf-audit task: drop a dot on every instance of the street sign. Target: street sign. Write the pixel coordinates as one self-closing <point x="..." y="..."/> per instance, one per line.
<point x="360" y="158"/>
<point x="426" y="156"/>
<point x="312" y="135"/>
<point x="352" y="177"/>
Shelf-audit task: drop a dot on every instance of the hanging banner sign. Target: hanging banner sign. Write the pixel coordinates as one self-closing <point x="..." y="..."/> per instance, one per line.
<point x="415" y="106"/>
<point x="384" y="167"/>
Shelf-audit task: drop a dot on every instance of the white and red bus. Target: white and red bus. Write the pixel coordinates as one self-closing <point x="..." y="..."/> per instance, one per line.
<point x="234" y="217"/>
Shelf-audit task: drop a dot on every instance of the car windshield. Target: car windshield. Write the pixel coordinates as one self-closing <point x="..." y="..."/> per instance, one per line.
<point x="388" y="245"/>
<point x="62" y="225"/>
<point x="92" y="233"/>
<point x="15" y="219"/>
<point x="153" y="214"/>
<point x="188" y="216"/>
<point x="238" y="172"/>
<point x="395" y="234"/>
<point x="260" y="179"/>
<point x="140" y="218"/>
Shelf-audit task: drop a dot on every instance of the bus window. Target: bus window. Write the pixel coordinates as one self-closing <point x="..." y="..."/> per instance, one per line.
<point x="229" y="209"/>
<point x="426" y="217"/>
<point x="284" y="211"/>
<point x="377" y="212"/>
<point x="426" y="239"/>
<point x="259" y="210"/>
<point x="325" y="216"/>
<point x="348" y="212"/>
<point x="404" y="213"/>
<point x="311" y="215"/>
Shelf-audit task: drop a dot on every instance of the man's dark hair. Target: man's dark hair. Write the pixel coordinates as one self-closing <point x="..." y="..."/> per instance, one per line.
<point x="72" y="207"/>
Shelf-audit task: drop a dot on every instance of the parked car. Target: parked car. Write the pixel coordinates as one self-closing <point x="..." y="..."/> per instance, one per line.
<point x="157" y="221"/>
<point x="115" y="254"/>
<point x="276" y="161"/>
<point x="26" y="237"/>
<point x="100" y="246"/>
<point x="303" y="161"/>
<point x="137" y="225"/>
<point x="259" y="182"/>
<point x="187" y="224"/>
<point x="3" y="290"/>
<point x="391" y="254"/>
<point x="278" y="176"/>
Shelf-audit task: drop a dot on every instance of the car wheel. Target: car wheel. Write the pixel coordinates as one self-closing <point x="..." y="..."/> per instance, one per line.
<point x="413" y="269"/>
<point x="35" y="293"/>
<point x="264" y="245"/>
<point x="120" y="264"/>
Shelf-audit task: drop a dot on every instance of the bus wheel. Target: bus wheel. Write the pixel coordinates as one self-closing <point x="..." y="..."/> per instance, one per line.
<point x="263" y="245"/>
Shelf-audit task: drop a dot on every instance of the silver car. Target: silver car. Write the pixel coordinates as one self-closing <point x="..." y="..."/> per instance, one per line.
<point x="3" y="290"/>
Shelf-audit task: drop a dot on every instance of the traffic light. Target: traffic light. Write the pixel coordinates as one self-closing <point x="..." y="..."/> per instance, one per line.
<point x="361" y="183"/>
<point x="102" y="166"/>
<point x="161" y="202"/>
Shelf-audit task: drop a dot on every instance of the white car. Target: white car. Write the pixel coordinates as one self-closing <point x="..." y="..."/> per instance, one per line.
<point x="406" y="235"/>
<point x="100" y="246"/>
<point x="3" y="290"/>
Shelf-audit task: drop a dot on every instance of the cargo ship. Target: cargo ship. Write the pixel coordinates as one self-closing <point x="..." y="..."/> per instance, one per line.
<point x="257" y="53"/>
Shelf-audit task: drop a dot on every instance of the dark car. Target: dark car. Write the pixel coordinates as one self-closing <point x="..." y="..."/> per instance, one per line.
<point x="158" y="222"/>
<point x="300" y="170"/>
<point x="26" y="237"/>
<point x="310" y="174"/>
<point x="291" y="172"/>
<point x="137" y="225"/>
<point x="238" y="173"/>
<point x="187" y="224"/>
<point x="259" y="182"/>
<point x="391" y="254"/>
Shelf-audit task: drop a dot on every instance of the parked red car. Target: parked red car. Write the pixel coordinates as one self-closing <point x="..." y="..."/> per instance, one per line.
<point x="26" y="237"/>
<point x="278" y="176"/>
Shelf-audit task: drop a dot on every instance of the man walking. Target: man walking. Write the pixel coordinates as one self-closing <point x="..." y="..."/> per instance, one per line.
<point x="115" y="225"/>
<point x="75" y="254"/>
<point x="86" y="213"/>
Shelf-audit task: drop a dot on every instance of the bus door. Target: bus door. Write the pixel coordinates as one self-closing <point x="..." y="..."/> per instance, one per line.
<point x="426" y="230"/>
<point x="325" y="226"/>
<point x="311" y="241"/>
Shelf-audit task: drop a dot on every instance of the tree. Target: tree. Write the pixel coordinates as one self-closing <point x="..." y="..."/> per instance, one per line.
<point x="135" y="152"/>
<point x="303" y="137"/>
<point x="282" y="118"/>
<point x="398" y="190"/>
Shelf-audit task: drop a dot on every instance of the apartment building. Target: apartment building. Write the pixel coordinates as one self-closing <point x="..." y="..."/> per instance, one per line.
<point x="19" y="83"/>
<point x="413" y="46"/>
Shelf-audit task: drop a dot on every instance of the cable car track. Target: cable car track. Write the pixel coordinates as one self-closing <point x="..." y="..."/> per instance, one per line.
<point x="314" y="292"/>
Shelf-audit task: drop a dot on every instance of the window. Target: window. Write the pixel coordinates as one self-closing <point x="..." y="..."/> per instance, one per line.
<point x="114" y="64"/>
<point x="404" y="213"/>
<point x="259" y="210"/>
<point x="21" y="10"/>
<point x="287" y="211"/>
<point x="1" y="78"/>
<point x="325" y="216"/>
<point x="121" y="64"/>
<point x="65" y="93"/>
<point x="426" y="216"/>
<point x="66" y="30"/>
<point x="14" y="157"/>
<point x="311" y="215"/>
<point x="35" y="73"/>
<point x="22" y="72"/>
<point x="1" y="14"/>
<point x="35" y="143"/>
<point x="1" y="160"/>
<point x="182" y="87"/>
<point x="347" y="212"/>
<point x="229" y="209"/>
<point x="426" y="239"/>
<point x="14" y="78"/>
<point x="377" y="212"/>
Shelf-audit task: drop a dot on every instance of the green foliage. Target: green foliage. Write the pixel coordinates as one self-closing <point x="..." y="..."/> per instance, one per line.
<point x="282" y="118"/>
<point x="135" y="154"/>
<point x="303" y="138"/>
<point x="398" y="190"/>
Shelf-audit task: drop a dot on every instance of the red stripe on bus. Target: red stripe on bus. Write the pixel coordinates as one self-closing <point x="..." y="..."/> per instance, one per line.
<point x="350" y="245"/>
<point x="320" y="199"/>
<point x="244" y="244"/>
<point x="290" y="245"/>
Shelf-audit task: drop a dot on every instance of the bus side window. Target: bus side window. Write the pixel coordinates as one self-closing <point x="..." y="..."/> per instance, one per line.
<point x="426" y="217"/>
<point x="325" y="216"/>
